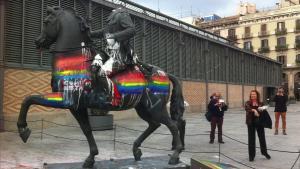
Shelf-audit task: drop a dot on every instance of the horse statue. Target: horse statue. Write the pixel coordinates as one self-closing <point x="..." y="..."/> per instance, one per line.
<point x="76" y="86"/>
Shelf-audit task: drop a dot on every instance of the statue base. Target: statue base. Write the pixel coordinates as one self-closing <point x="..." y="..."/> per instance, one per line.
<point x="157" y="162"/>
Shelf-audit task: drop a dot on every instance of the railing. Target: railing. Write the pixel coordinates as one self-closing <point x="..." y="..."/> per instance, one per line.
<point x="264" y="49"/>
<point x="247" y="36"/>
<point x="232" y="37"/>
<point x="282" y="47"/>
<point x="281" y="31"/>
<point x="263" y="33"/>
<point x="297" y="29"/>
<point x="249" y="49"/>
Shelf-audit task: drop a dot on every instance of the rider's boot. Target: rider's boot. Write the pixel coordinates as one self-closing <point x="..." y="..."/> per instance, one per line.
<point x="105" y="94"/>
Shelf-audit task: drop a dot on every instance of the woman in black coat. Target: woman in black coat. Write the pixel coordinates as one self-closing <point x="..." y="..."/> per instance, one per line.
<point x="252" y="116"/>
<point x="216" y="107"/>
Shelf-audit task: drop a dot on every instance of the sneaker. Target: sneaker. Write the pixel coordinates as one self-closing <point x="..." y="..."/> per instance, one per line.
<point x="284" y="132"/>
<point x="211" y="142"/>
<point x="276" y="132"/>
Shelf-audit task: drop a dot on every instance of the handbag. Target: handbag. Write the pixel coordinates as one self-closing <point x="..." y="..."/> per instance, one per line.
<point x="208" y="116"/>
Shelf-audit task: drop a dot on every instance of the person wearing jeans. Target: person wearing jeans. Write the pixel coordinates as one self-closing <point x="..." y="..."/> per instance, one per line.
<point x="280" y="110"/>
<point x="216" y="107"/>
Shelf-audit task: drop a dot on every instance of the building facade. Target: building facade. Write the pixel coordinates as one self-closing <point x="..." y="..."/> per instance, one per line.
<point x="274" y="33"/>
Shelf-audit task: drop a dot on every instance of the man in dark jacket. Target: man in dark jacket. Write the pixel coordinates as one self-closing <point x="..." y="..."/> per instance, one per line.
<point x="216" y="107"/>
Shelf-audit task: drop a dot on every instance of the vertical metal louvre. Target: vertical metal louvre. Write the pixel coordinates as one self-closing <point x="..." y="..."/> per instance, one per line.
<point x="13" y="32"/>
<point x="138" y="38"/>
<point x="32" y="29"/>
<point x="163" y="48"/>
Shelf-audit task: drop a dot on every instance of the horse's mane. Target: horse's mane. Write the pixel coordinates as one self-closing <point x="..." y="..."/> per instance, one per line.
<point x="82" y="21"/>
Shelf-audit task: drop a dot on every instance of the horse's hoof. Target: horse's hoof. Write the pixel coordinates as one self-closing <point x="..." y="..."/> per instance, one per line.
<point x="137" y="153"/>
<point x="88" y="164"/>
<point x="174" y="160"/>
<point x="24" y="133"/>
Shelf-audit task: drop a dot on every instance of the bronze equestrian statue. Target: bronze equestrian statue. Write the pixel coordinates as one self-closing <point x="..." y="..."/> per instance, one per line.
<point x="81" y="81"/>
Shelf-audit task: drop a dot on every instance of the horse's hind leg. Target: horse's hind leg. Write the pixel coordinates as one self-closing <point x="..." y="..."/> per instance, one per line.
<point x="166" y="120"/>
<point x="82" y="117"/>
<point x="137" y="153"/>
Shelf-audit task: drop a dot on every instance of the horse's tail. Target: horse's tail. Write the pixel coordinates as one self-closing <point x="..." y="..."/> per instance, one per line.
<point x="177" y="106"/>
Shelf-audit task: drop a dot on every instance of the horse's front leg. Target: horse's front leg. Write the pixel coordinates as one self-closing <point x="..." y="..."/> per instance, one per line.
<point x="24" y="131"/>
<point x="81" y="116"/>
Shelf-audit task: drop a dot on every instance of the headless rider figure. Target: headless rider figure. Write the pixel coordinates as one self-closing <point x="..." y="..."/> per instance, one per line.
<point x="118" y="32"/>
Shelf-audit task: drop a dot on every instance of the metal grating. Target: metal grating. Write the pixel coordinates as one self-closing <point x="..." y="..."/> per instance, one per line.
<point x="32" y="29"/>
<point x="13" y="32"/>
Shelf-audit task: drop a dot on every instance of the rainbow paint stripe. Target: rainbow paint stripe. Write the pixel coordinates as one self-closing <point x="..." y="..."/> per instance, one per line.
<point x="54" y="97"/>
<point x="214" y="165"/>
<point x="159" y="84"/>
<point x="54" y="100"/>
<point x="131" y="83"/>
<point x="72" y="67"/>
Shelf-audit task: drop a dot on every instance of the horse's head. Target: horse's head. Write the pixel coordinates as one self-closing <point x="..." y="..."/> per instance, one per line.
<point x="50" y="28"/>
<point x="64" y="27"/>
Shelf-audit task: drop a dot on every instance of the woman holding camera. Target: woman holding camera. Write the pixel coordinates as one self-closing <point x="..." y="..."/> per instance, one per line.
<point x="253" y="109"/>
<point x="216" y="107"/>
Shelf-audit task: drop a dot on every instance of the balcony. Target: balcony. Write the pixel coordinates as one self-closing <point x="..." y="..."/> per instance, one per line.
<point x="264" y="49"/>
<point x="249" y="48"/>
<point x="281" y="31"/>
<point x="279" y="48"/>
<point x="263" y="33"/>
<point x="297" y="29"/>
<point x="232" y="37"/>
<point x="297" y="45"/>
<point x="247" y="36"/>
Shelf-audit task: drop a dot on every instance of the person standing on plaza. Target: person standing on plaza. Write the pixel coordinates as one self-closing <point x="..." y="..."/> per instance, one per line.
<point x="280" y="110"/>
<point x="216" y="107"/>
<point x="253" y="112"/>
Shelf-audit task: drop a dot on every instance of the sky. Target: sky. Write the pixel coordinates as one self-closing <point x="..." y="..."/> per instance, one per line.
<point x="184" y="8"/>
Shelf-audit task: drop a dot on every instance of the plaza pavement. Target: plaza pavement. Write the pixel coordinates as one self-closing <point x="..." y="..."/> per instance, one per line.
<point x="49" y="149"/>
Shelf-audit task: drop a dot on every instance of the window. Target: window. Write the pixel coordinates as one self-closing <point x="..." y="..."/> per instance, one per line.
<point x="281" y="59"/>
<point x="297" y="39"/>
<point x="280" y="26"/>
<point x="281" y="41"/>
<point x="298" y="24"/>
<point x="247" y="45"/>
<point x="263" y="28"/>
<point x="264" y="43"/>
<point x="231" y="32"/>
<point x="247" y="30"/>
<point x="298" y="58"/>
